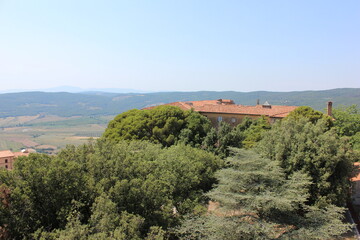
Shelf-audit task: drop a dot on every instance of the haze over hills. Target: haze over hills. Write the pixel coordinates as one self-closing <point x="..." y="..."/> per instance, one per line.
<point x="72" y="89"/>
<point x="101" y="103"/>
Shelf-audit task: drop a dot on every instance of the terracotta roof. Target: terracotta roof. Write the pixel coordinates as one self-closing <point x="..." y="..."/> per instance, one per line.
<point x="19" y="154"/>
<point x="356" y="172"/>
<point x="6" y="153"/>
<point x="228" y="106"/>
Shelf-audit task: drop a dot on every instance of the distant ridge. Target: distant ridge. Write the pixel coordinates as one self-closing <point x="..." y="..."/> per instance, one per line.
<point x="71" y="89"/>
<point x="104" y="103"/>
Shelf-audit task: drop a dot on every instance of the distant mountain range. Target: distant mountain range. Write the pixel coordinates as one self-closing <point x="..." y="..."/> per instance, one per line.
<point x="104" y="103"/>
<point x="71" y="89"/>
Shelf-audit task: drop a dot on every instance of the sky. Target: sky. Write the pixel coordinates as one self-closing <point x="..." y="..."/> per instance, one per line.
<point x="180" y="45"/>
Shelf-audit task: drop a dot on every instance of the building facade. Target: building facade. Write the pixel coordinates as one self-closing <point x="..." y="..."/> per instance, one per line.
<point x="226" y="110"/>
<point x="7" y="158"/>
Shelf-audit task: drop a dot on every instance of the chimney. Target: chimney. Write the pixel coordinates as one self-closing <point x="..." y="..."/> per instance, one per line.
<point x="329" y="108"/>
<point x="258" y="102"/>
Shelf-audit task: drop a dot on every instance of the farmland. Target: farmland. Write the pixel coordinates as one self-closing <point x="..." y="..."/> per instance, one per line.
<point x="49" y="133"/>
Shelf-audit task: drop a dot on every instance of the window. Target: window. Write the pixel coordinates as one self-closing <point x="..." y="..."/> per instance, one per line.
<point x="6" y="161"/>
<point x="6" y="166"/>
<point x="233" y="120"/>
<point x="219" y="118"/>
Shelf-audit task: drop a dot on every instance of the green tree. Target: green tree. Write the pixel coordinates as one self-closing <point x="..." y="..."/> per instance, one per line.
<point x="219" y="139"/>
<point x="300" y="145"/>
<point x="244" y="135"/>
<point x="310" y="114"/>
<point x="258" y="201"/>
<point x="42" y="189"/>
<point x="164" y="124"/>
<point x="74" y="230"/>
<point x="144" y="179"/>
<point x="156" y="233"/>
<point x="253" y="130"/>
<point x="103" y="190"/>
<point x="347" y="123"/>
<point x="105" y="223"/>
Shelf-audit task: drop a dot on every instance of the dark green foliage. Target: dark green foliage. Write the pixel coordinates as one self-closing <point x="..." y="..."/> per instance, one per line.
<point x="164" y="124"/>
<point x="300" y="145"/>
<point x="253" y="130"/>
<point x="258" y="202"/>
<point x="144" y="179"/>
<point x="103" y="190"/>
<point x="218" y="140"/>
<point x="310" y="114"/>
<point x="105" y="223"/>
<point x="197" y="127"/>
<point x="244" y="135"/>
<point x="156" y="233"/>
<point x="355" y="141"/>
<point x="347" y="123"/>
<point x="42" y="190"/>
<point x="347" y="120"/>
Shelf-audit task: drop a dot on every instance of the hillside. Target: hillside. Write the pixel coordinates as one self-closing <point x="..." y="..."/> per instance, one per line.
<point x="96" y="103"/>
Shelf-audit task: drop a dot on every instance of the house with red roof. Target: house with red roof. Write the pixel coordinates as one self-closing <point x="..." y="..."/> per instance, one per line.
<point x="226" y="110"/>
<point x="7" y="158"/>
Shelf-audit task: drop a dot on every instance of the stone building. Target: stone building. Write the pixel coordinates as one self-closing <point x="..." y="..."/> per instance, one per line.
<point x="7" y="158"/>
<point x="226" y="110"/>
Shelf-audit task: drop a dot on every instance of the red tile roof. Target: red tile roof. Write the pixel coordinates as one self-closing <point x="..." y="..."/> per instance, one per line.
<point x="19" y="154"/>
<point x="228" y="106"/>
<point x="6" y="153"/>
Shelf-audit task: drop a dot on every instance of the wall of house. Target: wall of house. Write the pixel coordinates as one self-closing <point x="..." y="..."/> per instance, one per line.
<point x="232" y="119"/>
<point x="7" y="162"/>
<point x="272" y="120"/>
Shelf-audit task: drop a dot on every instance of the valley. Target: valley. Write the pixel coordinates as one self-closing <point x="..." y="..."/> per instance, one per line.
<point x="48" y="122"/>
<point x="49" y="134"/>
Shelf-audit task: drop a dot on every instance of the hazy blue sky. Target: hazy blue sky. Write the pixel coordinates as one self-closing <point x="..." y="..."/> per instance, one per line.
<point x="180" y="45"/>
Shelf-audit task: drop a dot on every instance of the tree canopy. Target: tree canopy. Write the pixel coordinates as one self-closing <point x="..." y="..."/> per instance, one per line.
<point x="154" y="168"/>
<point x="300" y="145"/>
<point x="100" y="189"/>
<point x="244" y="135"/>
<point x="163" y="124"/>
<point x="258" y="201"/>
<point x="310" y="114"/>
<point x="347" y="123"/>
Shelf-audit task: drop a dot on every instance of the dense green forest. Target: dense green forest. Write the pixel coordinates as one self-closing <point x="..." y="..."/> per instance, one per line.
<point x="90" y="104"/>
<point x="153" y="172"/>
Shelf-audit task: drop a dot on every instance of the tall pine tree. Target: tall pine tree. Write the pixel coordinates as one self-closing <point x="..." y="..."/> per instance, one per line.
<point x="257" y="201"/>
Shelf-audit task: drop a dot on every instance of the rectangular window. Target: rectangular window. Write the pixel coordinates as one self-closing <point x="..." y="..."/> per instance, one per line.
<point x="219" y="118"/>
<point x="233" y="120"/>
<point x="6" y="160"/>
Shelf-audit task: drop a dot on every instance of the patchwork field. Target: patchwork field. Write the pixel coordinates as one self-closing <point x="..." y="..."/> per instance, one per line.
<point x="49" y="133"/>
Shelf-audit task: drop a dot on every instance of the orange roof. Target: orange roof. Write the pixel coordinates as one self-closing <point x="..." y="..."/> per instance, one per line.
<point x="228" y="106"/>
<point x="19" y="154"/>
<point x="356" y="172"/>
<point x="6" y="153"/>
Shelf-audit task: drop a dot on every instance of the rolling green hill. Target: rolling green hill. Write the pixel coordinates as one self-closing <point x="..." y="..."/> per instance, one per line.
<point x="95" y="104"/>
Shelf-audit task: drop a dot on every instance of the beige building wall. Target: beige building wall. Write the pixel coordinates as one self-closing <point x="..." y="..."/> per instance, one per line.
<point x="230" y="118"/>
<point x="7" y="158"/>
<point x="7" y="162"/>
